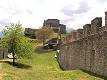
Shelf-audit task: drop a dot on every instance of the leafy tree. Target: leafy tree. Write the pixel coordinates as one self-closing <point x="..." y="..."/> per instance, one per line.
<point x="44" y="33"/>
<point x="16" y="42"/>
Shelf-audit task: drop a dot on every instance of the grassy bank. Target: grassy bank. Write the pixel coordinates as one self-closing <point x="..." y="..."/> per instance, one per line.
<point x="43" y="66"/>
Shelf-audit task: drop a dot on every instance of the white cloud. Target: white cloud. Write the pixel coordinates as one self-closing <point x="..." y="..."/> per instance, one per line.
<point x="32" y="13"/>
<point x="96" y="9"/>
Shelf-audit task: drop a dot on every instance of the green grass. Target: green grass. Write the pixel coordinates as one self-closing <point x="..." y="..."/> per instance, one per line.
<point x="43" y="66"/>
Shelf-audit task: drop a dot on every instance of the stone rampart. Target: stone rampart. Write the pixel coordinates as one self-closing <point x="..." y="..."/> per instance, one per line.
<point x="86" y="49"/>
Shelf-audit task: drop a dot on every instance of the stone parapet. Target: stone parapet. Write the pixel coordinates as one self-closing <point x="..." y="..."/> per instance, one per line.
<point x="96" y="25"/>
<point x="86" y="30"/>
<point x="79" y="33"/>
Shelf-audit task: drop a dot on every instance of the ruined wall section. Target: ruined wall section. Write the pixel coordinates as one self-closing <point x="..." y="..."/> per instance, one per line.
<point x="86" y="49"/>
<point x="96" y="25"/>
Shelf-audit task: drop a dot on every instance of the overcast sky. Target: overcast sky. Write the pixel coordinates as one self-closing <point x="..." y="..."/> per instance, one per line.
<point x="32" y="13"/>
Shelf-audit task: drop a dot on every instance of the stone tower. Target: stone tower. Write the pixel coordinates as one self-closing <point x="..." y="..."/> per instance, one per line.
<point x="55" y="25"/>
<point x="105" y="27"/>
<point x="106" y="18"/>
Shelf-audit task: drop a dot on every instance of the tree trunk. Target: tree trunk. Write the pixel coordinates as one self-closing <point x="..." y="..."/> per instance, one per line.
<point x="13" y="51"/>
<point x="3" y="54"/>
<point x="13" y="57"/>
<point x="43" y="42"/>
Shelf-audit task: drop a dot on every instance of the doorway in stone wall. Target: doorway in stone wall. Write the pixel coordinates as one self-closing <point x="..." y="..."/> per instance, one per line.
<point x="92" y="58"/>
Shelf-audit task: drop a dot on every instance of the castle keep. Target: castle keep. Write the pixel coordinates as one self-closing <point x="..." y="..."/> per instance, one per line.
<point x="55" y="25"/>
<point x="86" y="48"/>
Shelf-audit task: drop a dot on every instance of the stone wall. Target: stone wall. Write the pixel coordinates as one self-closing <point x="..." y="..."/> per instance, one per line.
<point x="3" y="54"/>
<point x="29" y="32"/>
<point x="86" y="48"/>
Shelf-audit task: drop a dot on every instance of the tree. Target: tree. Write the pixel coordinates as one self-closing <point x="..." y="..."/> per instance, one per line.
<point x="16" y="42"/>
<point x="44" y="33"/>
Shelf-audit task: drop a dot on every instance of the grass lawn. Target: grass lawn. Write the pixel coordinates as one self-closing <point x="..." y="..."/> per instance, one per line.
<point x="43" y="66"/>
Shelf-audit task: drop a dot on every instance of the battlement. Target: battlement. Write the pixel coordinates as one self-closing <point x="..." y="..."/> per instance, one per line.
<point x="96" y="25"/>
<point x="86" y="30"/>
<point x="89" y="29"/>
<point x="79" y="33"/>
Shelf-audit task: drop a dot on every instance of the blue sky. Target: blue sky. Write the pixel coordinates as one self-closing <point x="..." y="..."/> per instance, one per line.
<point x="32" y="13"/>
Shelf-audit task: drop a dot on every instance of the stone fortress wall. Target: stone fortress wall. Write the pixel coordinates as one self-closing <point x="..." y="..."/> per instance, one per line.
<point x="86" y="48"/>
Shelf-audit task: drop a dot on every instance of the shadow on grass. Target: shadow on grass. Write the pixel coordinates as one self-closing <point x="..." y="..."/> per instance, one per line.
<point x="40" y="50"/>
<point x="94" y="74"/>
<point x="17" y="65"/>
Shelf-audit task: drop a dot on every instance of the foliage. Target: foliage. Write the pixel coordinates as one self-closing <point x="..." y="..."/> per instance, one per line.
<point x="44" y="33"/>
<point x="14" y="40"/>
<point x="3" y="44"/>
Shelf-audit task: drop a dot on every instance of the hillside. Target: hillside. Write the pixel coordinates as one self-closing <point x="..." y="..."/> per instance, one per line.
<point x="43" y="66"/>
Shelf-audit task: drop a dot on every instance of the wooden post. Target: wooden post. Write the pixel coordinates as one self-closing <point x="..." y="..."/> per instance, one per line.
<point x="59" y="39"/>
